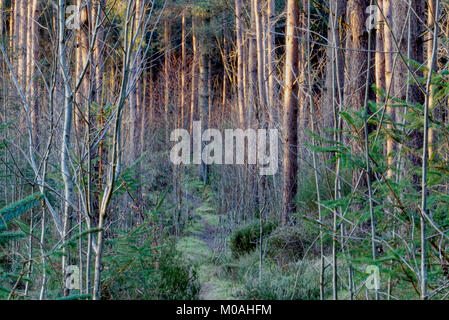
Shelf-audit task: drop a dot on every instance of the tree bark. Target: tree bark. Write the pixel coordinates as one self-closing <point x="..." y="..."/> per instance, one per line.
<point x="271" y="61"/>
<point x="290" y="112"/>
<point x="240" y="66"/>
<point x="390" y="112"/>
<point x="203" y="92"/>
<point x="194" y="96"/>
<point x="435" y="111"/>
<point x="66" y="135"/>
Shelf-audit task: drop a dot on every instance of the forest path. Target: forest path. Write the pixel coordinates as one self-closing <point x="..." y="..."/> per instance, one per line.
<point x="201" y="246"/>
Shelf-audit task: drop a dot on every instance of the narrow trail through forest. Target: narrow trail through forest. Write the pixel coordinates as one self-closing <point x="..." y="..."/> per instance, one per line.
<point x="201" y="245"/>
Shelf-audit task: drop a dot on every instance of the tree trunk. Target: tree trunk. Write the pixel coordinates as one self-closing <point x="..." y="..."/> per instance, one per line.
<point x="167" y="106"/>
<point x="390" y="112"/>
<point x="262" y="105"/>
<point x="66" y="136"/>
<point x="436" y="111"/>
<point x="271" y="62"/>
<point x="82" y="46"/>
<point x="290" y="112"/>
<point x="380" y="55"/>
<point x="203" y="92"/>
<point x="194" y="97"/>
<point x="335" y="66"/>
<point x="22" y="32"/>
<point x="416" y="95"/>
<point x="240" y="66"/>
<point x="32" y="59"/>
<point x="252" y="73"/>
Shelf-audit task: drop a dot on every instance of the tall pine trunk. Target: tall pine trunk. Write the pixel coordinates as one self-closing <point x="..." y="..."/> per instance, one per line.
<point x="290" y="112"/>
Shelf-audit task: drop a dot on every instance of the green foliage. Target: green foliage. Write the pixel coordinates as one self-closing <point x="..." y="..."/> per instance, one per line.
<point x="207" y="9"/>
<point x="139" y="268"/>
<point x="11" y="235"/>
<point x="76" y="297"/>
<point x="177" y="279"/>
<point x="131" y="261"/>
<point x="290" y="244"/>
<point x="17" y="208"/>
<point x="6" y="215"/>
<point x="246" y="239"/>
<point x="298" y="281"/>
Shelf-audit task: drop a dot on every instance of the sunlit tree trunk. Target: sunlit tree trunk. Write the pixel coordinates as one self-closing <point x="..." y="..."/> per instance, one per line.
<point x="183" y="70"/>
<point x="435" y="111"/>
<point x="290" y="131"/>
<point x="136" y="92"/>
<point x="389" y="60"/>
<point x="32" y="60"/>
<point x="380" y="55"/>
<point x="15" y="23"/>
<point x="194" y="96"/>
<point x="240" y="58"/>
<point x="22" y="33"/>
<point x="31" y="96"/>
<point x="271" y="61"/>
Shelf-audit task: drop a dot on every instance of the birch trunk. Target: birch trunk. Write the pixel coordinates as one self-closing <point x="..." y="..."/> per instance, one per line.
<point x="66" y="135"/>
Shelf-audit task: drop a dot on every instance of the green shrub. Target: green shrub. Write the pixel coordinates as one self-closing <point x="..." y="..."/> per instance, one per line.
<point x="7" y="214"/>
<point x="293" y="284"/>
<point x="246" y="239"/>
<point x="137" y="270"/>
<point x="177" y="279"/>
<point x="289" y="244"/>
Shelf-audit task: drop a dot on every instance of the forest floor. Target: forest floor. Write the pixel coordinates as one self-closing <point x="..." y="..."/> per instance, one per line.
<point x="202" y="245"/>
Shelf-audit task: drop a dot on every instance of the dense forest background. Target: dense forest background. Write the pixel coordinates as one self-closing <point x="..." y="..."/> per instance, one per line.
<point x="93" y="208"/>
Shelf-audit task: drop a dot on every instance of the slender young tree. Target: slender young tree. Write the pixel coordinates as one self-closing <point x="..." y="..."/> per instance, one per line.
<point x="271" y="61"/>
<point x="425" y="158"/>
<point x="389" y="67"/>
<point x="436" y="111"/>
<point x="194" y="76"/>
<point x="203" y="89"/>
<point x="240" y="58"/>
<point x="290" y="131"/>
